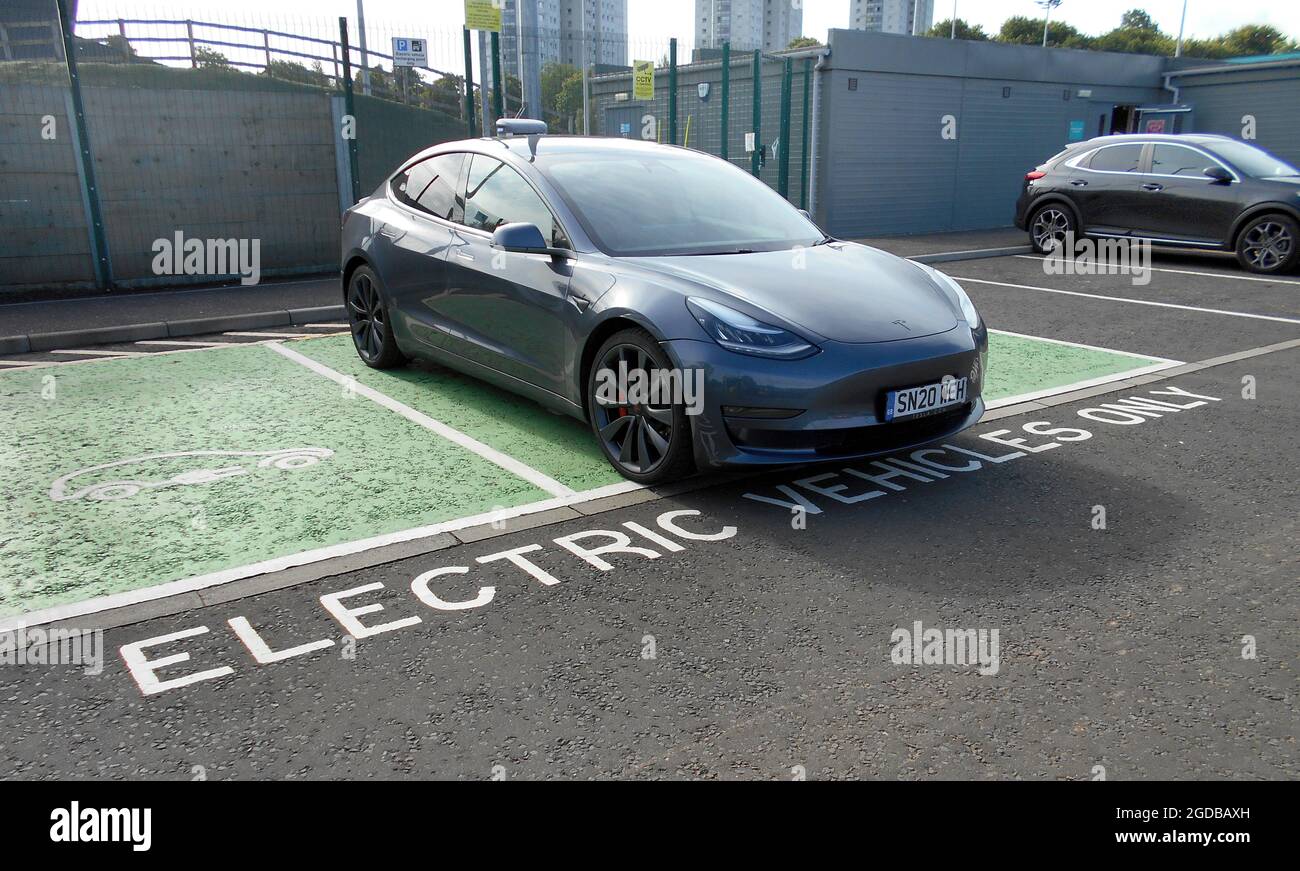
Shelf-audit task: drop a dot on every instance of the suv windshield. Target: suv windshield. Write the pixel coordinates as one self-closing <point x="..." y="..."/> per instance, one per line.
<point x="1251" y="160"/>
<point x="657" y="202"/>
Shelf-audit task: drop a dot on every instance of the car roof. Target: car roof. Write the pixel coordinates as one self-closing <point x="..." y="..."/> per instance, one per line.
<point x="526" y="147"/>
<point x="1188" y="138"/>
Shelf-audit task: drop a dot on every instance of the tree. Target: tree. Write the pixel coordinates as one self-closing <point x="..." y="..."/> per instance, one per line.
<point x="295" y="72"/>
<point x="1253" y="39"/>
<point x="1137" y="19"/>
<point x="803" y="42"/>
<point x="446" y="93"/>
<point x="1136" y="34"/>
<point x="964" y="30"/>
<point x="1020" y="30"/>
<point x="210" y="58"/>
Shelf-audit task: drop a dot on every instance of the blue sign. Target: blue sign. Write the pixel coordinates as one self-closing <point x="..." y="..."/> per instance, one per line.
<point x="625" y="128"/>
<point x="1076" y="131"/>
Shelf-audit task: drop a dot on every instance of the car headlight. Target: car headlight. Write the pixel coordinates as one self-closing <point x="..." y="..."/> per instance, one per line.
<point x="967" y="307"/>
<point x="740" y="333"/>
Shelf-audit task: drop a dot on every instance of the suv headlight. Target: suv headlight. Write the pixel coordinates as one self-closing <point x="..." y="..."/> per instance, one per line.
<point x="967" y="307"/>
<point x="740" y="333"/>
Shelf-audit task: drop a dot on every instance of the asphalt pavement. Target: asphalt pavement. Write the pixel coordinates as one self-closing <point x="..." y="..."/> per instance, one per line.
<point x="1126" y="562"/>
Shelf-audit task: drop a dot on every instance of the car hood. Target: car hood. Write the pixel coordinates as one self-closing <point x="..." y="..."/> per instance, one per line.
<point x="841" y="291"/>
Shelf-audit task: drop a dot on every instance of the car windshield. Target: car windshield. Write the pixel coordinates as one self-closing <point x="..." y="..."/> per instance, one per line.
<point x="1253" y="161"/>
<point x="657" y="202"/>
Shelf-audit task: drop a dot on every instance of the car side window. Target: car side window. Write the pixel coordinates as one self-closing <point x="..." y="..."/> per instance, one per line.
<point x="1177" y="160"/>
<point x="1117" y="158"/>
<point x="495" y="194"/>
<point x="430" y="186"/>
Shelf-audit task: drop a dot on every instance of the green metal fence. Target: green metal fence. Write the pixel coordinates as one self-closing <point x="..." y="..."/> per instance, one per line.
<point x="749" y="107"/>
<point x="124" y="136"/>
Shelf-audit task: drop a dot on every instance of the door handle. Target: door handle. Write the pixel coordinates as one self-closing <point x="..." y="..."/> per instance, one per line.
<point x="579" y="301"/>
<point x="1078" y="182"/>
<point x="1152" y="186"/>
<point x="464" y="255"/>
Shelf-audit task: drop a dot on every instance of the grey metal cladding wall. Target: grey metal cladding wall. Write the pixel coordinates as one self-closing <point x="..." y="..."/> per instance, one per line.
<point x="887" y="168"/>
<point x="1273" y="99"/>
<point x="1002" y="138"/>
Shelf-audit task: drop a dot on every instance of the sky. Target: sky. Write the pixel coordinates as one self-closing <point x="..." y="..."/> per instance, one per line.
<point x="652" y="22"/>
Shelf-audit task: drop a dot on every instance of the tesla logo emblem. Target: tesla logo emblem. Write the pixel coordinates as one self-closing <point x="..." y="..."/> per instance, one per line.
<point x="904" y="325"/>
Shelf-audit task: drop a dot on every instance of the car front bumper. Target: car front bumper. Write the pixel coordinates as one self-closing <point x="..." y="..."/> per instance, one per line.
<point x="839" y="395"/>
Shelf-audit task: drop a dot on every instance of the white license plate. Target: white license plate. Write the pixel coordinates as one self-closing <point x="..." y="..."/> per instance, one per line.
<point x="924" y="399"/>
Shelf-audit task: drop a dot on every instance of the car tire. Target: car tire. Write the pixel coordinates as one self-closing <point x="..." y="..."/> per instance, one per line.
<point x="1269" y="244"/>
<point x="1050" y="223"/>
<point x="369" y="323"/>
<point x="646" y="443"/>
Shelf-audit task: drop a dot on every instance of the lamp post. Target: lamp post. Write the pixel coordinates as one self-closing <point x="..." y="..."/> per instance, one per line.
<point x="1048" y="5"/>
<point x="1178" y="49"/>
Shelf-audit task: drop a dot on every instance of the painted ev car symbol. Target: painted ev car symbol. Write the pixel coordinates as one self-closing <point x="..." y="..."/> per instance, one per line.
<point x="287" y="459"/>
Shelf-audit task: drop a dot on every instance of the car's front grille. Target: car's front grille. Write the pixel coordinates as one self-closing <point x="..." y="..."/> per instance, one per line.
<point x="879" y="438"/>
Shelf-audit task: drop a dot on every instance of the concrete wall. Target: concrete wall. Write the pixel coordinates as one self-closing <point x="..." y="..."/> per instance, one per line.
<point x="886" y="169"/>
<point x="215" y="164"/>
<point x="388" y="133"/>
<point x="42" y="222"/>
<point x="232" y="156"/>
<point x="207" y="163"/>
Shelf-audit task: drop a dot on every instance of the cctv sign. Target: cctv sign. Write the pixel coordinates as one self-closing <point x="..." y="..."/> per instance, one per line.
<point x="410" y="52"/>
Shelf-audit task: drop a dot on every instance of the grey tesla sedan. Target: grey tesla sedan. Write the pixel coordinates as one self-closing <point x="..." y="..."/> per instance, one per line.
<point x="681" y="307"/>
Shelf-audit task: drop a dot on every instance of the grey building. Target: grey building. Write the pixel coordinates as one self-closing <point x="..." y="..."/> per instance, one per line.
<point x="605" y="28"/>
<point x="892" y="16"/>
<point x="558" y="32"/>
<point x="912" y="135"/>
<point x="748" y="24"/>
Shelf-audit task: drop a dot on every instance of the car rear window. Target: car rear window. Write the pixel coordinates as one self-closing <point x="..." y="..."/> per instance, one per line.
<point x="1117" y="158"/>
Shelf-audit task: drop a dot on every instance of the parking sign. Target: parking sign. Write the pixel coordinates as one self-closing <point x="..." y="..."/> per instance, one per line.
<point x="408" y="52"/>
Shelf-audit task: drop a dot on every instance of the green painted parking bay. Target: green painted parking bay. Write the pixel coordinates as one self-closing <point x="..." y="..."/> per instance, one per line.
<point x="126" y="475"/>
<point x="360" y="471"/>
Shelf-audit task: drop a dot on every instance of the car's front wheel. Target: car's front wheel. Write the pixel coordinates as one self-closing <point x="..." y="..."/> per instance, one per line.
<point x="372" y="330"/>
<point x="1048" y="227"/>
<point x="1268" y="244"/>
<point x="647" y="439"/>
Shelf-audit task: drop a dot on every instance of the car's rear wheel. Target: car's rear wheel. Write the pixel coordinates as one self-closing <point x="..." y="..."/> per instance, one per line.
<point x="648" y="442"/>
<point x="372" y="330"/>
<point x="1268" y="244"/>
<point x="1048" y="227"/>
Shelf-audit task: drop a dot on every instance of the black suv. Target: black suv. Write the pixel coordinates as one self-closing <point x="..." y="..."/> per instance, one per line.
<point x="1187" y="190"/>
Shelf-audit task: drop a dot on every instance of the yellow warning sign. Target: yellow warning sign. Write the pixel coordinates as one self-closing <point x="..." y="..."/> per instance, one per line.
<point x="643" y="80"/>
<point x="483" y="15"/>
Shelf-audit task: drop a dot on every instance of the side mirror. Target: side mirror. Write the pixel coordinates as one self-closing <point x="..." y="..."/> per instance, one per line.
<point x="1218" y="174"/>
<point x="525" y="238"/>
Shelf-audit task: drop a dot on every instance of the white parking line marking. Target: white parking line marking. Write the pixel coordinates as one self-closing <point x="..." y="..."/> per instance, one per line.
<point x="225" y="576"/>
<point x="269" y="335"/>
<point x="191" y="344"/>
<point x="1192" y="272"/>
<point x="332" y="326"/>
<point x="19" y="363"/>
<point x="963" y="251"/>
<point x="1080" y="385"/>
<point x="1192" y="308"/>
<point x="492" y="455"/>
<point x="1085" y="347"/>
<point x="82" y="353"/>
